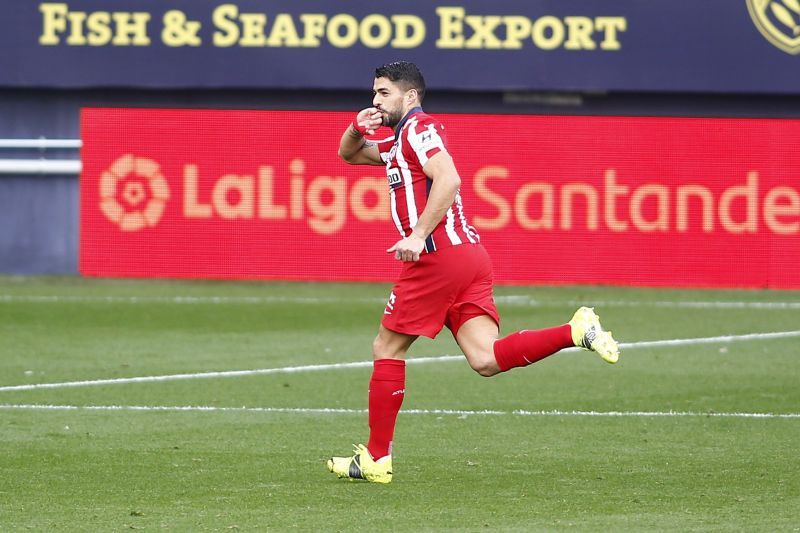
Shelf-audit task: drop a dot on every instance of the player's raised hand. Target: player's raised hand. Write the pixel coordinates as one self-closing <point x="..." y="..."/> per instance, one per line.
<point x="368" y="121"/>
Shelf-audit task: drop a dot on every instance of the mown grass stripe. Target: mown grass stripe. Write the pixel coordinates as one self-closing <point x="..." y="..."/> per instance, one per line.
<point x="367" y="364"/>
<point x="508" y="299"/>
<point x="450" y="412"/>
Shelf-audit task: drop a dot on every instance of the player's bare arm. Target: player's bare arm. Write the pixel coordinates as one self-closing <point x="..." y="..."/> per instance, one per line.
<point x="353" y="147"/>
<point x="446" y="182"/>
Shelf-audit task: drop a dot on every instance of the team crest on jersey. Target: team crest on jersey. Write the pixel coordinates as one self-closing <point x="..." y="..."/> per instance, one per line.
<point x="778" y="21"/>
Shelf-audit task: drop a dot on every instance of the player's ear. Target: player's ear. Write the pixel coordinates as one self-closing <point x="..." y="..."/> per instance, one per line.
<point x="411" y="95"/>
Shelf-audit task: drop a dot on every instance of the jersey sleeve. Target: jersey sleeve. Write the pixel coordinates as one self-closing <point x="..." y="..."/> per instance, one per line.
<point x="384" y="147"/>
<point x="427" y="139"/>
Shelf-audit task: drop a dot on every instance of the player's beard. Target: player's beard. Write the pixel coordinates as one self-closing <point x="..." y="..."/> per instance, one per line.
<point x="391" y="118"/>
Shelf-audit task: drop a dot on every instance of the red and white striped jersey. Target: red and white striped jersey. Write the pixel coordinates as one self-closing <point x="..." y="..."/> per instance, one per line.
<point x="418" y="137"/>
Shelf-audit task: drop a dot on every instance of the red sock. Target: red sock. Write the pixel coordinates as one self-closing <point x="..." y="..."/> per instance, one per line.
<point x="528" y="346"/>
<point x="386" y="391"/>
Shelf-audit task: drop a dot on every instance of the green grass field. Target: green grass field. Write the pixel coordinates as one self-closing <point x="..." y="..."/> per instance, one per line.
<point x="534" y="449"/>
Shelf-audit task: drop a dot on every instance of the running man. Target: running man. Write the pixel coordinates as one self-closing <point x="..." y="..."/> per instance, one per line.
<point x="446" y="277"/>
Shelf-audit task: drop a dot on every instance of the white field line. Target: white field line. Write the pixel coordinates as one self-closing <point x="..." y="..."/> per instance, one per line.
<point x="326" y="411"/>
<point x="368" y="364"/>
<point x="519" y="300"/>
<point x="33" y="298"/>
<point x="666" y="304"/>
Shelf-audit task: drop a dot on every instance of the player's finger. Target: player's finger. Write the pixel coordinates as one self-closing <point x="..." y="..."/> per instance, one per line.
<point x="366" y="114"/>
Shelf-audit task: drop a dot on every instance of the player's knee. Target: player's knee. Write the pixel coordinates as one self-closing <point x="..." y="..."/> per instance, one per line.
<point x="485" y="370"/>
<point x="484" y="364"/>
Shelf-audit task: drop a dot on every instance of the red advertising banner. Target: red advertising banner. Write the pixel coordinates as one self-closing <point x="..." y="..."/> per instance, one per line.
<point x="610" y="200"/>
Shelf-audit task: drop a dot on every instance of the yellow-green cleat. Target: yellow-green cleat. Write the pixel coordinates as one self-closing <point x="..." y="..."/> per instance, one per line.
<point x="587" y="333"/>
<point x="362" y="466"/>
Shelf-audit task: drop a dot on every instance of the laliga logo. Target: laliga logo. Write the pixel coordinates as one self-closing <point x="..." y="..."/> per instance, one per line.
<point x="133" y="193"/>
<point x="778" y="21"/>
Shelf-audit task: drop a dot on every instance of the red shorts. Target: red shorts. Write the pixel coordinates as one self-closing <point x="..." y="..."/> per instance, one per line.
<point x="444" y="288"/>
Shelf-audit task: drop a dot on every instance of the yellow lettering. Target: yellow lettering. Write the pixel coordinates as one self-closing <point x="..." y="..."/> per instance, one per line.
<point x="313" y="29"/>
<point x="335" y="26"/>
<point x="483" y="36"/>
<point x="580" y="33"/>
<point x="54" y="21"/>
<point x="119" y="28"/>
<point x="409" y="31"/>
<point x="610" y="26"/>
<point x="223" y="18"/>
<point x="284" y="32"/>
<point x="383" y="27"/>
<point x="99" y="26"/>
<point x="253" y="29"/>
<point x="76" y="37"/>
<point x="548" y="33"/>
<point x="517" y="29"/>
<point x="451" y="27"/>
<point x="130" y="25"/>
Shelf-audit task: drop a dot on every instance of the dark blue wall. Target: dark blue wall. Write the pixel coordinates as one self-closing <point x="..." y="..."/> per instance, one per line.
<point x="38" y="225"/>
<point x="708" y="46"/>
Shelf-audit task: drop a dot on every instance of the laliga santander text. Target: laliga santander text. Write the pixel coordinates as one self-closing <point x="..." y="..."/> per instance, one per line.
<point x="327" y="202"/>
<point x="645" y="208"/>
<point x="327" y="198"/>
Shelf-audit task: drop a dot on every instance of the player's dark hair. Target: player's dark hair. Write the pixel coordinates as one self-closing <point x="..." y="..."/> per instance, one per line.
<point x="405" y="74"/>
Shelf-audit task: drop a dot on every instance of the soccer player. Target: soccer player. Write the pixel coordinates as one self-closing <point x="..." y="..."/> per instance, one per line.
<point x="446" y="276"/>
